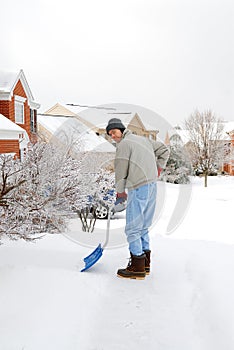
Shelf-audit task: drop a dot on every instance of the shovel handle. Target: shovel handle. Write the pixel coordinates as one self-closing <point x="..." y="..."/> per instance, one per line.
<point x="108" y="227"/>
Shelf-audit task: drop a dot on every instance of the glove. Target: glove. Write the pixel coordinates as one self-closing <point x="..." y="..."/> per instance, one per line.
<point x="121" y="195"/>
<point x="159" y="171"/>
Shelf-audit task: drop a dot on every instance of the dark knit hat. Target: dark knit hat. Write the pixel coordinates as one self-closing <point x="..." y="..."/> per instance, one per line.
<point x="115" y="123"/>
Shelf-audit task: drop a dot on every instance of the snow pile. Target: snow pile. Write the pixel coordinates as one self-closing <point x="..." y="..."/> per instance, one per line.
<point x="187" y="302"/>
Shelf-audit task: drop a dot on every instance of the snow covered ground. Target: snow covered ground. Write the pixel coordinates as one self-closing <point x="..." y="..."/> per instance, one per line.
<point x="187" y="302"/>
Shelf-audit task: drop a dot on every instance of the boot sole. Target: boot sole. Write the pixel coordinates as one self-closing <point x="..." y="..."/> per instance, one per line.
<point x="132" y="277"/>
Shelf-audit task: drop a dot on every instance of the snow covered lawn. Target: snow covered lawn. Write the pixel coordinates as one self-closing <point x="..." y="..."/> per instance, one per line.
<point x="187" y="302"/>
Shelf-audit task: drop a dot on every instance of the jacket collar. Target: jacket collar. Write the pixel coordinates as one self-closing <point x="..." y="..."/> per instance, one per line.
<point x="126" y="132"/>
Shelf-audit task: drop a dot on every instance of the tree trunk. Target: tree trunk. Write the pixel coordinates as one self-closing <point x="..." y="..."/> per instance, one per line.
<point x="205" y="178"/>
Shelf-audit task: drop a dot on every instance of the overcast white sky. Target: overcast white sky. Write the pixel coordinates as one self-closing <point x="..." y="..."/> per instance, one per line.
<point x="171" y="56"/>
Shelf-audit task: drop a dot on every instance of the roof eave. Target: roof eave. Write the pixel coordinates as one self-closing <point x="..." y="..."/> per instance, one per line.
<point x="7" y="95"/>
<point x="33" y="104"/>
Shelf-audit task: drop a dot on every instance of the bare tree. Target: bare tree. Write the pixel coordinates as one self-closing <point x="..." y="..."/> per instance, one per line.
<point x="11" y="177"/>
<point x="206" y="148"/>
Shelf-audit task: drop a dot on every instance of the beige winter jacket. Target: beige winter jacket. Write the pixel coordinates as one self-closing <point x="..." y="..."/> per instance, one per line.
<point x="137" y="159"/>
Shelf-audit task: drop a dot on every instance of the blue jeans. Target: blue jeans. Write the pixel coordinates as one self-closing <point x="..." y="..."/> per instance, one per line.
<point x="139" y="216"/>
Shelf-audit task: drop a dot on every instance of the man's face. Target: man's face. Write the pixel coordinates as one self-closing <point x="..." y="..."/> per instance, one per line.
<point x="116" y="135"/>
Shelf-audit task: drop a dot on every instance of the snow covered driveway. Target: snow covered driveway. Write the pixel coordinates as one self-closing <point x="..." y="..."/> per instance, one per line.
<point x="187" y="302"/>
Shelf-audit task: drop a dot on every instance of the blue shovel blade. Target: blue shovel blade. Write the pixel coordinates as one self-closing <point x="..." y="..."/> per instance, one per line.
<point x="92" y="258"/>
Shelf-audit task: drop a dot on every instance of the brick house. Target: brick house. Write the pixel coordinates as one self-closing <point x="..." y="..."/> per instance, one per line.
<point x="18" y="106"/>
<point x="13" y="138"/>
<point x="229" y="166"/>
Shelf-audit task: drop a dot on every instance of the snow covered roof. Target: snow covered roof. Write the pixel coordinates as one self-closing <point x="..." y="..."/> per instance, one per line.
<point x="10" y="130"/>
<point x="8" y="81"/>
<point x="229" y="126"/>
<point x="71" y="130"/>
<point x="184" y="134"/>
<point x="100" y="115"/>
<point x="51" y="123"/>
<point x="59" y="110"/>
<point x="181" y="133"/>
<point x="96" y="117"/>
<point x="7" y="125"/>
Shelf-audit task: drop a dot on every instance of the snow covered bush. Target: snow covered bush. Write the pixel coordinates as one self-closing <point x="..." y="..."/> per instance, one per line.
<point x="38" y="194"/>
<point x="178" y="167"/>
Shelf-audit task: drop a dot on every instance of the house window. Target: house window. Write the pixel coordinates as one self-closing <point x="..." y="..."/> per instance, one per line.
<point x="19" y="109"/>
<point x="19" y="112"/>
<point x="32" y="121"/>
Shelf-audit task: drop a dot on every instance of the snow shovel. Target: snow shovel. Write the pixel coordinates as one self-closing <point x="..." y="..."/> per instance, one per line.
<point x="92" y="258"/>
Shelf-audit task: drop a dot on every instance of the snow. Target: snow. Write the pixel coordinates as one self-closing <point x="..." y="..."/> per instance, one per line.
<point x="71" y="128"/>
<point x="12" y="131"/>
<point x="125" y="112"/>
<point x="7" y="125"/>
<point x="7" y="80"/>
<point x="228" y="126"/>
<point x="187" y="302"/>
<point x="51" y="123"/>
<point x="182" y="133"/>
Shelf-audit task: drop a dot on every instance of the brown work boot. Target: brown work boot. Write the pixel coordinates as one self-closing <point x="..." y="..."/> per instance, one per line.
<point x="147" y="261"/>
<point x="135" y="268"/>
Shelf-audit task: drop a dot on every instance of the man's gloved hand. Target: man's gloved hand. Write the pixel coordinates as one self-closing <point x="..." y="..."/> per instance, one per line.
<point x="121" y="195"/>
<point x="159" y="171"/>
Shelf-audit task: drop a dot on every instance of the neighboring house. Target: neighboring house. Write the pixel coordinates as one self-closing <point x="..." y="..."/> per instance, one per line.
<point x="135" y="124"/>
<point x="131" y="120"/>
<point x="67" y="130"/>
<point x="180" y="137"/>
<point x="177" y="137"/>
<point x="139" y="128"/>
<point x="228" y="167"/>
<point x="59" y="120"/>
<point x="96" y="119"/>
<point x="59" y="110"/>
<point x="18" y="106"/>
<point x="13" y="138"/>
